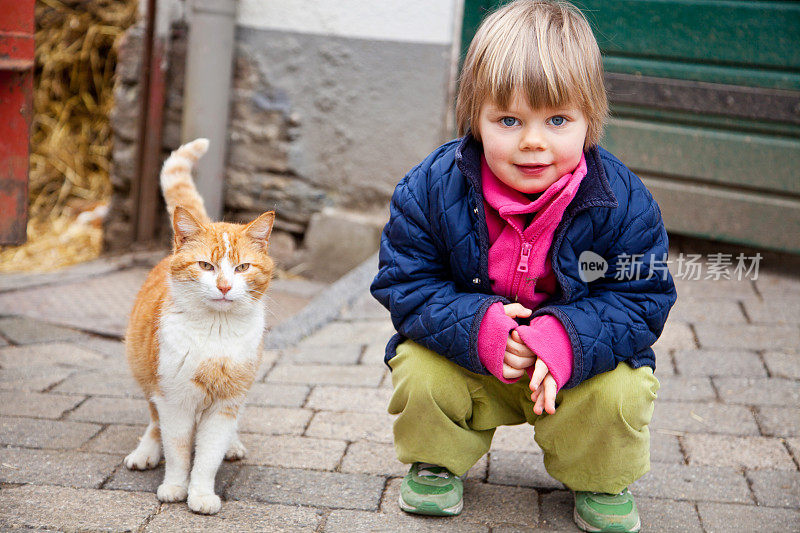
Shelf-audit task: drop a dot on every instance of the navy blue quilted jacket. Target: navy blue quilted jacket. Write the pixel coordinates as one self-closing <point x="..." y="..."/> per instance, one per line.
<point x="434" y="273"/>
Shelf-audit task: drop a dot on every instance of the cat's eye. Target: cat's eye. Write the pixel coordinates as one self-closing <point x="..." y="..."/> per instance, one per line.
<point x="242" y="267"/>
<point x="205" y="266"/>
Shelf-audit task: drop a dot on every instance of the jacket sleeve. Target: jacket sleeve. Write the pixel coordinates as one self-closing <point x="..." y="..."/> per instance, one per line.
<point x="415" y="284"/>
<point x="624" y="312"/>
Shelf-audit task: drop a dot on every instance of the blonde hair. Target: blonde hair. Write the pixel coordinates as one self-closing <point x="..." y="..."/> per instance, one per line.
<point x="547" y="50"/>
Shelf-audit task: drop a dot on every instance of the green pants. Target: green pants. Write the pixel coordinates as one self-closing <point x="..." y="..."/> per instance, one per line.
<point x="597" y="440"/>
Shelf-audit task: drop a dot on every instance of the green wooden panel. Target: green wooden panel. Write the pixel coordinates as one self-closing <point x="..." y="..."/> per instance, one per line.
<point x="750" y="161"/>
<point x="758" y="220"/>
<point x="742" y="75"/>
<point x="741" y="33"/>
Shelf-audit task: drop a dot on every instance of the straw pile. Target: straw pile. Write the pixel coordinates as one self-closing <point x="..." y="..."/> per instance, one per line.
<point x="70" y="133"/>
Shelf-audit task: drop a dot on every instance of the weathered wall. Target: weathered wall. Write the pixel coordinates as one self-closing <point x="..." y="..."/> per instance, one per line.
<point x="333" y="102"/>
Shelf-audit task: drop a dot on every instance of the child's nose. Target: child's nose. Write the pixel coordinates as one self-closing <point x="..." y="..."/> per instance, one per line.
<point x="532" y="139"/>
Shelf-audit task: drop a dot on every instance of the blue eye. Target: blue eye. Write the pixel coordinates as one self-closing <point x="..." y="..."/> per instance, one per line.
<point x="558" y="121"/>
<point x="508" y="121"/>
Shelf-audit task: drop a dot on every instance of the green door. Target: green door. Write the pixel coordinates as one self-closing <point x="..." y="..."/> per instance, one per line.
<point x="705" y="102"/>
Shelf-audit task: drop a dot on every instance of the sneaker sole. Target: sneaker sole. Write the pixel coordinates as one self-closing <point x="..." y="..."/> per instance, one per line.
<point x="431" y="509"/>
<point x="583" y="525"/>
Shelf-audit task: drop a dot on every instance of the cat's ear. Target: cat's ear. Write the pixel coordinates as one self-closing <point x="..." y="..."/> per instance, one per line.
<point x="185" y="225"/>
<point x="260" y="229"/>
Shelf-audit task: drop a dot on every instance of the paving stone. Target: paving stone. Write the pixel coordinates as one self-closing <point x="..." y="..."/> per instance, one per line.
<point x="712" y="310"/>
<point x="346" y="354"/>
<point x="36" y="405"/>
<point x="277" y="395"/>
<point x="105" y="302"/>
<point x="235" y="517"/>
<point x="776" y="488"/>
<point x="680" y="482"/>
<point x="518" y="438"/>
<point x="57" y="353"/>
<point x="373" y="458"/>
<point x="36" y="433"/>
<point x="268" y="360"/>
<point x="747" y="518"/>
<point x="113" y="384"/>
<point x="114" y="350"/>
<point x="22" y="330"/>
<point x="794" y="448"/>
<point x="112" y="411"/>
<point x="3" y="341"/>
<point x="274" y="420"/>
<point x="737" y="452"/>
<point x="351" y="427"/>
<point x="759" y="391"/>
<point x="779" y="421"/>
<point x="686" y="389"/>
<point x="520" y="469"/>
<point x="374" y="354"/>
<point x="70" y="509"/>
<point x="783" y="365"/>
<point x="556" y="513"/>
<point x="664" y="447"/>
<point x="704" y="417"/>
<point x="116" y="439"/>
<point x="776" y="285"/>
<point x="676" y="336"/>
<point x="307" y="487"/>
<point x="668" y="516"/>
<point x="353" y="375"/>
<point x="712" y="288"/>
<point x="748" y="337"/>
<point x="33" y="378"/>
<point x="361" y="521"/>
<point x="365" y="308"/>
<point x="361" y="332"/>
<point x="351" y="399"/>
<point x="292" y="452"/>
<point x="775" y="311"/>
<point x="149" y="480"/>
<point x="719" y="363"/>
<point x="75" y="469"/>
<point x="483" y="504"/>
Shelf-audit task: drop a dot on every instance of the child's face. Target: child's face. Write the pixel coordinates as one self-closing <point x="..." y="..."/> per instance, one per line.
<point x="530" y="149"/>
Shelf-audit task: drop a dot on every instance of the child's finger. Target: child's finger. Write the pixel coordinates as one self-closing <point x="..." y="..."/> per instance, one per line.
<point x="539" y="372"/>
<point x="550" y="394"/>
<point x="515" y="337"/>
<point x="538" y="406"/>
<point x="515" y="361"/>
<point x="516" y="309"/>
<point x="511" y="373"/>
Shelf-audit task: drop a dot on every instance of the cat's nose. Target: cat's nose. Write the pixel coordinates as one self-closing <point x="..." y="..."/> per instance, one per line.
<point x="223" y="288"/>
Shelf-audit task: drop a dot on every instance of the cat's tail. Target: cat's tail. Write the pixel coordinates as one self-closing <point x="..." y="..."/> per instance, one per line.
<point x="176" y="179"/>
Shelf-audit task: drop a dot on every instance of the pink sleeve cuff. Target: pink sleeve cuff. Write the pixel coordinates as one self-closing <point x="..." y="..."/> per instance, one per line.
<point x="547" y="338"/>
<point x="492" y="338"/>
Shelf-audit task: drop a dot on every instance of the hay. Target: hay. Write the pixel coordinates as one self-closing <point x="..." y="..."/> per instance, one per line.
<point x="71" y="132"/>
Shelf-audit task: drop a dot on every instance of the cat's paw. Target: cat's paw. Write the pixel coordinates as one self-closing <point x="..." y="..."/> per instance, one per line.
<point x="140" y="459"/>
<point x="235" y="451"/>
<point x="171" y="493"/>
<point x="204" y="503"/>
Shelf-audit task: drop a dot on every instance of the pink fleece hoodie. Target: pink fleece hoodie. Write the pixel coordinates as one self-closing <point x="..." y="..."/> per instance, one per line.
<point x="520" y="269"/>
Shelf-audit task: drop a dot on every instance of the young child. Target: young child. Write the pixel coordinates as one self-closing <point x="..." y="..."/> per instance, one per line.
<point x="483" y="268"/>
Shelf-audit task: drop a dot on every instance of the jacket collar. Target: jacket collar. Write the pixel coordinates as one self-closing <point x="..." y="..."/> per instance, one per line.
<point x="594" y="190"/>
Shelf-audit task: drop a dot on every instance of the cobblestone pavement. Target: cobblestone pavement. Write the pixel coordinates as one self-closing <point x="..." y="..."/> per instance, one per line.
<point x="725" y="434"/>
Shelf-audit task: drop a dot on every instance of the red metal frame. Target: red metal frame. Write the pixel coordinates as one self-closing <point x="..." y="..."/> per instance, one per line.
<point x="16" y="110"/>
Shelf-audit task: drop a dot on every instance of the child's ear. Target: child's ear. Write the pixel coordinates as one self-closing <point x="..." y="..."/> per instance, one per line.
<point x="260" y="229"/>
<point x="185" y="225"/>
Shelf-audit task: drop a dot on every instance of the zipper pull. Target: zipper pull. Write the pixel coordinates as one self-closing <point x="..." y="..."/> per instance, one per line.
<point x="524" y="255"/>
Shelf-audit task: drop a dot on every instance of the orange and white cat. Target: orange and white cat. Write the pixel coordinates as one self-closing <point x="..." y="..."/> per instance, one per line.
<point x="194" y="338"/>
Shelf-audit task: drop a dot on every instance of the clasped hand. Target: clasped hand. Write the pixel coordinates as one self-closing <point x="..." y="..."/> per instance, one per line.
<point x="518" y="358"/>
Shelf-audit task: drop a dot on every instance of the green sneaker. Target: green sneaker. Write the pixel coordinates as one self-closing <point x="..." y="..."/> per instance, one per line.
<point x="431" y="490"/>
<point x="595" y="511"/>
